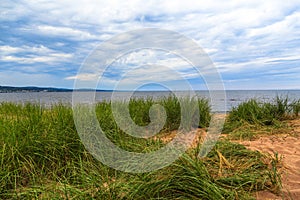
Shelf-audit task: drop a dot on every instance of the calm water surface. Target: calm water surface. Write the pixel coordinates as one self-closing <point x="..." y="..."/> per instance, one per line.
<point x="233" y="97"/>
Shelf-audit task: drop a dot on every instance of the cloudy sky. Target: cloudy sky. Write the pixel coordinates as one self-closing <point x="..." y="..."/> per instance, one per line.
<point x="253" y="44"/>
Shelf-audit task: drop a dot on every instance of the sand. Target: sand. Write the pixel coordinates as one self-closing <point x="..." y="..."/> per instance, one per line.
<point x="288" y="148"/>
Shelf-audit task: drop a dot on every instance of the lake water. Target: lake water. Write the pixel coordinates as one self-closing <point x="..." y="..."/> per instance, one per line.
<point x="233" y="97"/>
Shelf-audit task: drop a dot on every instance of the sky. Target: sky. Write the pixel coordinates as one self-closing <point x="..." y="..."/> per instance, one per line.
<point x="253" y="44"/>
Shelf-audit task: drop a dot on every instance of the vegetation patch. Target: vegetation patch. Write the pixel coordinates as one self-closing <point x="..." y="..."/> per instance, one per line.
<point x="252" y="118"/>
<point x="41" y="156"/>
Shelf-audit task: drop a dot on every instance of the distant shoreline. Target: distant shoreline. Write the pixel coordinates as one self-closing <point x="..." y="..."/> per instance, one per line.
<point x="12" y="89"/>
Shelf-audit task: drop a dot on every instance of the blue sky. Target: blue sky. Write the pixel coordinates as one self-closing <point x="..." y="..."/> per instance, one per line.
<point x="253" y="44"/>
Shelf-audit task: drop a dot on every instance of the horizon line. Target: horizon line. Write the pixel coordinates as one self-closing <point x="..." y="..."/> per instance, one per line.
<point x="111" y="90"/>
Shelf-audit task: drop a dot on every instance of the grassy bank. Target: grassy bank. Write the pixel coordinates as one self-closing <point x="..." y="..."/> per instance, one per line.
<point x="41" y="156"/>
<point x="255" y="117"/>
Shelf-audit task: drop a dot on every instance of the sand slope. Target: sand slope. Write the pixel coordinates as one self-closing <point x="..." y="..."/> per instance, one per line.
<point x="288" y="147"/>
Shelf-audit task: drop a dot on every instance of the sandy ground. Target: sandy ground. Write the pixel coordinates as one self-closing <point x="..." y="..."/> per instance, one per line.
<point x="288" y="147"/>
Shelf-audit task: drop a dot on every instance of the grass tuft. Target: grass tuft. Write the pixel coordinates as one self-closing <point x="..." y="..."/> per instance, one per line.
<point x="260" y="114"/>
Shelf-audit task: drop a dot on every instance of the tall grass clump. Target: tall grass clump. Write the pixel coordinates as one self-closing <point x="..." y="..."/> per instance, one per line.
<point x="255" y="112"/>
<point x="204" y="113"/>
<point x="139" y="111"/>
<point x="295" y="107"/>
<point x="230" y="171"/>
<point x="36" y="142"/>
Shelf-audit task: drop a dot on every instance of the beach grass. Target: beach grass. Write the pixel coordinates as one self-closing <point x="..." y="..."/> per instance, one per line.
<point x="42" y="157"/>
<point x="255" y="117"/>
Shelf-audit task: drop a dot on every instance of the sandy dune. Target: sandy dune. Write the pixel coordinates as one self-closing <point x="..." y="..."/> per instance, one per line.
<point x="288" y="147"/>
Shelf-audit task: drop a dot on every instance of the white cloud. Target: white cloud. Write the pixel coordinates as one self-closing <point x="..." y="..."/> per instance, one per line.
<point x="256" y="63"/>
<point x="52" y="58"/>
<point x="5" y="49"/>
<point x="83" y="77"/>
<point x="41" y="49"/>
<point x="32" y="54"/>
<point x="287" y="26"/>
<point x="30" y="79"/>
<point x="63" y="32"/>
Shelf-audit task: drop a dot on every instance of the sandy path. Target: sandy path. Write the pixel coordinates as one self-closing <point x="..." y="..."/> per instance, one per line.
<point x="288" y="147"/>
